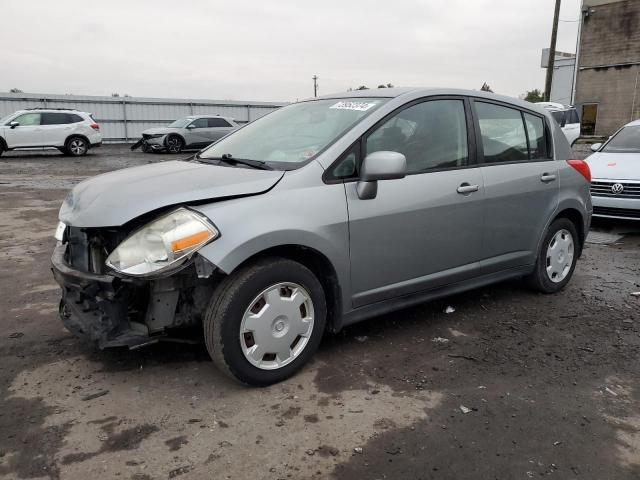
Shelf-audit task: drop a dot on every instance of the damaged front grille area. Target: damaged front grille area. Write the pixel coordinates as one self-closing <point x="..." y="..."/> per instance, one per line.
<point x="88" y="248"/>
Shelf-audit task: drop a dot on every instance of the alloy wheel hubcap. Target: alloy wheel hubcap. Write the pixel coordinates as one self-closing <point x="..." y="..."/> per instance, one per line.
<point x="77" y="147"/>
<point x="560" y="254"/>
<point x="277" y="326"/>
<point x="174" y="145"/>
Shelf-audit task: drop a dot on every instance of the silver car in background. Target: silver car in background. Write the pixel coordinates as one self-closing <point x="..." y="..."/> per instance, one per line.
<point x="318" y="215"/>
<point x="615" y="167"/>
<point x="189" y="133"/>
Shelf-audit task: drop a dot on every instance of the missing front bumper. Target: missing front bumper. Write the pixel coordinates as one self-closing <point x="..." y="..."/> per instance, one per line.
<point x="99" y="307"/>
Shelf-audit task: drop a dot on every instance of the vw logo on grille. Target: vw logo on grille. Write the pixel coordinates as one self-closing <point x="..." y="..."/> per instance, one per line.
<point x="617" y="188"/>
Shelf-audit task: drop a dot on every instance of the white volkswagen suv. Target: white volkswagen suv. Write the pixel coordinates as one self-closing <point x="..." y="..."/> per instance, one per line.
<point x="70" y="131"/>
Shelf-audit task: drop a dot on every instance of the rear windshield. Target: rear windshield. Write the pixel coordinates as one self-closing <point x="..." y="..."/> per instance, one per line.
<point x="559" y="116"/>
<point x="626" y="140"/>
<point x="292" y="135"/>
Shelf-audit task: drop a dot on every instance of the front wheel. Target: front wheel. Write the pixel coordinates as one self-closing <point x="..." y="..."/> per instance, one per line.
<point x="557" y="257"/>
<point x="174" y="144"/>
<point x="265" y="321"/>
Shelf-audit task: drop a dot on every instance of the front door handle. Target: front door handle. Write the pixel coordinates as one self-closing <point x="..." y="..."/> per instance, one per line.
<point x="547" y="177"/>
<point x="467" y="188"/>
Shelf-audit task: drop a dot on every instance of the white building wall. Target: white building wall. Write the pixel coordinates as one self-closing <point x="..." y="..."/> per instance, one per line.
<point x="122" y="119"/>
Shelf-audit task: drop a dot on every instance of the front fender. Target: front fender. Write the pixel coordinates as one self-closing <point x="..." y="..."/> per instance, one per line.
<point x="310" y="216"/>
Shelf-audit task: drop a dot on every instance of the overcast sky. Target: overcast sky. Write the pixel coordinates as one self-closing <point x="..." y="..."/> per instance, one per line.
<point x="269" y="50"/>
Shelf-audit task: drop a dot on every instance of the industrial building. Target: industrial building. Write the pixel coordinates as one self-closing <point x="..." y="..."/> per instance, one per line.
<point x="607" y="91"/>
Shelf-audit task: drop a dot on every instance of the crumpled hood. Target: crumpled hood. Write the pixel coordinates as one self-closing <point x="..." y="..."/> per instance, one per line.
<point x="160" y="130"/>
<point x="615" y="166"/>
<point x="115" y="198"/>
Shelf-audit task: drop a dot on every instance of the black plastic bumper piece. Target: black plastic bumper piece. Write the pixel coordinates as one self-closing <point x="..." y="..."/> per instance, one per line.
<point x="96" y="307"/>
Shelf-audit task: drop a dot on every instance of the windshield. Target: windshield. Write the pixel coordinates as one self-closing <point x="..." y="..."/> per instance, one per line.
<point x="626" y="140"/>
<point x="296" y="133"/>
<point x="4" y="120"/>
<point x="181" y="123"/>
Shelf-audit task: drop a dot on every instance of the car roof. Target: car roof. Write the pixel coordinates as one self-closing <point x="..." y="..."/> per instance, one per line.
<point x="207" y="116"/>
<point x="53" y="110"/>
<point x="397" y="92"/>
<point x="635" y="123"/>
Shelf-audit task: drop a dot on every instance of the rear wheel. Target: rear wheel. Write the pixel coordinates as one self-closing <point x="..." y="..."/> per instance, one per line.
<point x="557" y="257"/>
<point x="76" y="146"/>
<point x="174" y="144"/>
<point x="265" y="321"/>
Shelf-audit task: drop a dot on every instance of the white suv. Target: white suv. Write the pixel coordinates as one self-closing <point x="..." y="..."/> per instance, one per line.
<point x="70" y="131"/>
<point x="567" y="117"/>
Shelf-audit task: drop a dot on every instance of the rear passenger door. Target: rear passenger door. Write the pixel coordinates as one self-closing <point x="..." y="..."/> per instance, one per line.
<point x="520" y="181"/>
<point x="56" y="127"/>
<point x="218" y="128"/>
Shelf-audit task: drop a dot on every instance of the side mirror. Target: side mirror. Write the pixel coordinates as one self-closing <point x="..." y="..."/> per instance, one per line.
<point x="14" y="124"/>
<point x="380" y="166"/>
<point x="191" y="126"/>
<point x="595" y="147"/>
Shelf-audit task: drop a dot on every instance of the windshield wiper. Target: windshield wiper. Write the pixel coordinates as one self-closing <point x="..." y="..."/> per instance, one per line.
<point x="227" y="158"/>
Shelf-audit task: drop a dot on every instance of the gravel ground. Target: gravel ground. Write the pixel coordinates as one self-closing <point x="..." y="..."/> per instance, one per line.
<point x="511" y="385"/>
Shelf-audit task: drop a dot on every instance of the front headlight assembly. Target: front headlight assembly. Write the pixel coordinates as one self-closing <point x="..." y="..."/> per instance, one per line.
<point x="163" y="245"/>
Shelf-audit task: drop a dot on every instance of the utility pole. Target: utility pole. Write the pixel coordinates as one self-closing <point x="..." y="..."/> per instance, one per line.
<point x="315" y="85"/>
<point x="552" y="53"/>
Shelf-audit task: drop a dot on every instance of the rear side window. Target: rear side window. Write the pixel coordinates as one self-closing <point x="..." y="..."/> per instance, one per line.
<point x="217" y="122"/>
<point x="431" y="135"/>
<point x="537" y="141"/>
<point x="503" y="133"/>
<point x="59" y="118"/>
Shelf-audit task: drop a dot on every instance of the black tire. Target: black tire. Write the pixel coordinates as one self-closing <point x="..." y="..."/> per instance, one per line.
<point x="174" y="144"/>
<point x="76" y="146"/>
<point x="231" y="299"/>
<point x="539" y="279"/>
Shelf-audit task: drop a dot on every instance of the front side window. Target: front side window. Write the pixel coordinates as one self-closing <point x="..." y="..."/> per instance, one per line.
<point x="503" y="133"/>
<point x="28" y="119"/>
<point x="431" y="135"/>
<point x="292" y="135"/>
<point x="199" y="123"/>
<point x="626" y="140"/>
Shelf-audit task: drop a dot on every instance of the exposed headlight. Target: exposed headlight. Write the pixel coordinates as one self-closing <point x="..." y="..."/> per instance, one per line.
<point x="163" y="244"/>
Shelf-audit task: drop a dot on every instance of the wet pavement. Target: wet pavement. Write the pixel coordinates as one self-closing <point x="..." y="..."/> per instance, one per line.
<point x="511" y="384"/>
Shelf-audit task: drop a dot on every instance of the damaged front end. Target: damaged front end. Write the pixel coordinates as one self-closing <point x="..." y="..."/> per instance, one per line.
<point x="151" y="142"/>
<point x="115" y="310"/>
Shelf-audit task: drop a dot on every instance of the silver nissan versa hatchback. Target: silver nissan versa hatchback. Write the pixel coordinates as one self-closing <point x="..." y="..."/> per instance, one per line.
<point x="321" y="214"/>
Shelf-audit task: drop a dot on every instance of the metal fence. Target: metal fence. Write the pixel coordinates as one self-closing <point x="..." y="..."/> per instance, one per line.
<point x="123" y="119"/>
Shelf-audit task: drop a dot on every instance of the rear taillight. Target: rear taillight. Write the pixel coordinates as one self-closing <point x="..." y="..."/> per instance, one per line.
<point x="582" y="167"/>
<point x="95" y="126"/>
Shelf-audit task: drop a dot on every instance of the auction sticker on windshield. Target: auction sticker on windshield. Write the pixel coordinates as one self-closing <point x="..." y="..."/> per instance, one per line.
<point x="359" y="106"/>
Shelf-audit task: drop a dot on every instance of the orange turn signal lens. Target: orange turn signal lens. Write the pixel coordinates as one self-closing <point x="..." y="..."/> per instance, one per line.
<point x="190" y="241"/>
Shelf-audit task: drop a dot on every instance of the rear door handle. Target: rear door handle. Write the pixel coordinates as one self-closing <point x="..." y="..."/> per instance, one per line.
<point x="547" y="177"/>
<point x="467" y="188"/>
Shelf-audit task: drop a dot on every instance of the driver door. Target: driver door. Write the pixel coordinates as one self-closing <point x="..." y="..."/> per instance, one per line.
<point x="27" y="134"/>
<point x="197" y="136"/>
<point x="425" y="230"/>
